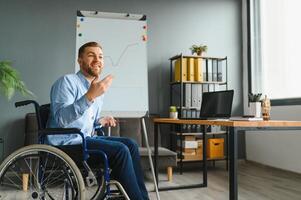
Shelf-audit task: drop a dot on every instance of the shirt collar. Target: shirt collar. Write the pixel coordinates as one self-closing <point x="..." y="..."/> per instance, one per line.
<point x="83" y="79"/>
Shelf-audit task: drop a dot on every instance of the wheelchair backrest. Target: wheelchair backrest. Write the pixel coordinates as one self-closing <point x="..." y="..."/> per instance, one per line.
<point x="44" y="111"/>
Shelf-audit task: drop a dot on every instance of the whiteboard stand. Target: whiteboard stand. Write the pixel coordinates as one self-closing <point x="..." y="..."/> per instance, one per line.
<point x="109" y="131"/>
<point x="150" y="156"/>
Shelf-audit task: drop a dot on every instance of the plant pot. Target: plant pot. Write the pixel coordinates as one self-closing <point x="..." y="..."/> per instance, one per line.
<point x="200" y="53"/>
<point x="173" y="115"/>
<point x="255" y="109"/>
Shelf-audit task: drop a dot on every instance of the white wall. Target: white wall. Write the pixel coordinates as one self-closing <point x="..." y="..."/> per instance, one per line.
<point x="39" y="37"/>
<point x="280" y="149"/>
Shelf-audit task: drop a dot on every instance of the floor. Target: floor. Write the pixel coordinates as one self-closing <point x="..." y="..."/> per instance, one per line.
<point x="256" y="182"/>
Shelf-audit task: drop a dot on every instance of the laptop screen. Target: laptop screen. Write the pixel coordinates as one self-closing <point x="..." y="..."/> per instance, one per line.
<point x="217" y="104"/>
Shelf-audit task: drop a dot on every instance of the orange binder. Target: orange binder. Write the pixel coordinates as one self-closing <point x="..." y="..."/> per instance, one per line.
<point x="198" y="71"/>
<point x="178" y="65"/>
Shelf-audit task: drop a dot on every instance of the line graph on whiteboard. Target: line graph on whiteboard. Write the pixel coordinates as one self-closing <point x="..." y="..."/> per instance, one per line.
<point x="117" y="62"/>
<point x="124" y="44"/>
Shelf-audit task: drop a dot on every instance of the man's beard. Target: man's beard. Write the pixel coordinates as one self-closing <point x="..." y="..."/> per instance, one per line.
<point x="92" y="72"/>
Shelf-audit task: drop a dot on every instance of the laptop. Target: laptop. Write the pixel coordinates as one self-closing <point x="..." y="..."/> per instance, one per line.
<point x="217" y="105"/>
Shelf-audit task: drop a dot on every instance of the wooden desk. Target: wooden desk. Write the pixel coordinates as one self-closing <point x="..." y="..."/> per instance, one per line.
<point x="234" y="128"/>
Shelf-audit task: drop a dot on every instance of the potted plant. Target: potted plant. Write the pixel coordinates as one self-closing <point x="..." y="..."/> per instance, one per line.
<point x="10" y="81"/>
<point x="173" y="113"/>
<point x="255" y="104"/>
<point x="198" y="49"/>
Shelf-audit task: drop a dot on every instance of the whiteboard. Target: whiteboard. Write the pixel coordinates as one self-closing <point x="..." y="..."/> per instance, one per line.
<point x="123" y="39"/>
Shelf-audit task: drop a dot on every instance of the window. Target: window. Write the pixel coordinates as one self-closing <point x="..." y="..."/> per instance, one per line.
<point x="275" y="36"/>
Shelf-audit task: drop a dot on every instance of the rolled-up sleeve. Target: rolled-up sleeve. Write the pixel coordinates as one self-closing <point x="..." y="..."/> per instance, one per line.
<point x="65" y="108"/>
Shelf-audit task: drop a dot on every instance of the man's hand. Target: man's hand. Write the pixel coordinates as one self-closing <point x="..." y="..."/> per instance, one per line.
<point x="98" y="87"/>
<point x="107" y="121"/>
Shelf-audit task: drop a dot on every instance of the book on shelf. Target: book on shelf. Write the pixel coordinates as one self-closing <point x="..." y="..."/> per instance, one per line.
<point x="246" y="118"/>
<point x="188" y="144"/>
<point x="196" y="95"/>
<point x="214" y="70"/>
<point x="221" y="70"/>
<point x="185" y="97"/>
<point x="198" y="72"/>
<point x="181" y="64"/>
<point x="190" y="69"/>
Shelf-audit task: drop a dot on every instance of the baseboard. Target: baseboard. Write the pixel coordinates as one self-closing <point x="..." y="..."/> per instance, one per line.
<point x="268" y="166"/>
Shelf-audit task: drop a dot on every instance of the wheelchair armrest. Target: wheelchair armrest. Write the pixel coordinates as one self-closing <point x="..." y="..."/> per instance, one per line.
<point x="60" y="131"/>
<point x="63" y="131"/>
<point x="99" y="131"/>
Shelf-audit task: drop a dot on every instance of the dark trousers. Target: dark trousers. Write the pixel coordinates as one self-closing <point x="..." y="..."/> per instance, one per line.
<point x="124" y="160"/>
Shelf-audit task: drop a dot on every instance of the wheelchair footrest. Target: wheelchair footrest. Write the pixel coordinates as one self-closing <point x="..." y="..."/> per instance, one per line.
<point x="121" y="193"/>
<point x="118" y="197"/>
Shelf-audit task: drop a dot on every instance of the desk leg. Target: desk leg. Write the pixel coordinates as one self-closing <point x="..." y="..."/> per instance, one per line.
<point x="204" y="155"/>
<point x="156" y="150"/>
<point x="187" y="186"/>
<point x="233" y="193"/>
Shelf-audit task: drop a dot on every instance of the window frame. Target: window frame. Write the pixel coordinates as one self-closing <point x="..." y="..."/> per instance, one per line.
<point x="274" y="102"/>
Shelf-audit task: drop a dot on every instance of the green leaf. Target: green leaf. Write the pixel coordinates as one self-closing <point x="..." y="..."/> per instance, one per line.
<point x="198" y="48"/>
<point x="10" y="81"/>
<point x="254" y="97"/>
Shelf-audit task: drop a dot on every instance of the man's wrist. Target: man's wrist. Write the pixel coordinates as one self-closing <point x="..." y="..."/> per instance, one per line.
<point x="89" y="97"/>
<point x="99" y="121"/>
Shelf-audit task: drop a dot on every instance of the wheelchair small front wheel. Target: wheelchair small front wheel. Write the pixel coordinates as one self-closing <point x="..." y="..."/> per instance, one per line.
<point x="40" y="172"/>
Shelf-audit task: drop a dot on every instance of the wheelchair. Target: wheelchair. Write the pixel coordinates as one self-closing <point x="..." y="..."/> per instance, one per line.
<point x="66" y="172"/>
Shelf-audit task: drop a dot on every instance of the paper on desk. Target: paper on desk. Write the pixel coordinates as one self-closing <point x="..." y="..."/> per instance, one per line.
<point x="246" y="118"/>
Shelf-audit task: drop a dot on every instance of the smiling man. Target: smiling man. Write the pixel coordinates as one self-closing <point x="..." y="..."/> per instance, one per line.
<point x="76" y="102"/>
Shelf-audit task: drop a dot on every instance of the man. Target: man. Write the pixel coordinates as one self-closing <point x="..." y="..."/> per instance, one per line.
<point x="76" y="102"/>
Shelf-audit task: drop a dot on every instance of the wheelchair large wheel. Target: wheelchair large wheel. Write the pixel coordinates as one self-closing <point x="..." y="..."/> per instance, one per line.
<point x="40" y="172"/>
<point x="96" y="191"/>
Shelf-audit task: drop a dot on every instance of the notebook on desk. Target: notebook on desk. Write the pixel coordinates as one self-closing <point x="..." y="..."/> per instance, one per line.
<point x="217" y="105"/>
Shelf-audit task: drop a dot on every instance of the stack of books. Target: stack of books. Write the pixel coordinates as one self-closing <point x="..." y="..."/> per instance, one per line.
<point x="192" y="148"/>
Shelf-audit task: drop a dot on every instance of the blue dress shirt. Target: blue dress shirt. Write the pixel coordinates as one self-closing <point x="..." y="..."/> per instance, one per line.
<point x="71" y="109"/>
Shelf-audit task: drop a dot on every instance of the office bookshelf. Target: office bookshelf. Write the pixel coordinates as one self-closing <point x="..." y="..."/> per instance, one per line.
<point x="190" y="76"/>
